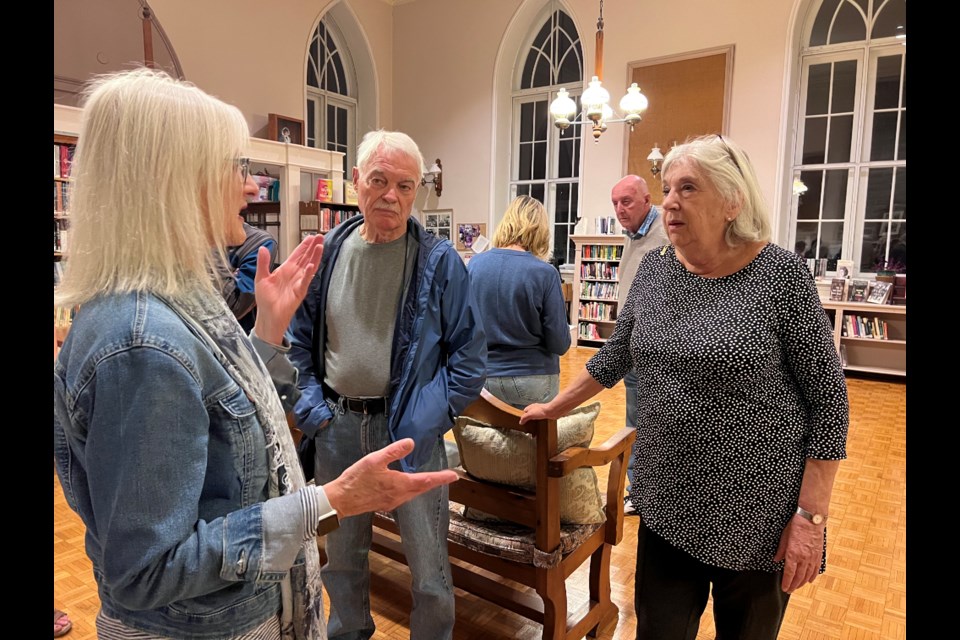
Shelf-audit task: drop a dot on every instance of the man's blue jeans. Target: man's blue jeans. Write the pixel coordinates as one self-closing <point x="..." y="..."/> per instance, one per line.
<point x="423" y="524"/>
<point x="520" y="391"/>
<point x="630" y="385"/>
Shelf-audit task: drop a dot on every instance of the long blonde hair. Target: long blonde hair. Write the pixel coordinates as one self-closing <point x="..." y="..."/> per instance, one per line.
<point x="525" y="223"/>
<point x="154" y="171"/>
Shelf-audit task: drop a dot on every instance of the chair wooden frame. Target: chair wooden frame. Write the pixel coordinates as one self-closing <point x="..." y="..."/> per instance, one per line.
<point x="540" y="511"/>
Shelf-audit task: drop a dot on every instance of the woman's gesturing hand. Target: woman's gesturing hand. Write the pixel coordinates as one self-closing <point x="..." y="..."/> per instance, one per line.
<point x="369" y="485"/>
<point x="280" y="293"/>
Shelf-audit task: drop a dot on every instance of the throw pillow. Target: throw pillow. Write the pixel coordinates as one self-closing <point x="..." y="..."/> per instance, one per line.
<point x="510" y="457"/>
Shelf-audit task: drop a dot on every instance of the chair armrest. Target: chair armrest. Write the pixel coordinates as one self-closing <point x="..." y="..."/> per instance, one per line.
<point x="573" y="458"/>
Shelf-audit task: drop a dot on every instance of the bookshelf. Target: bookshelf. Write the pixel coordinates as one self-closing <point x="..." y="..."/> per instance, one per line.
<point x="317" y="216"/>
<point x="886" y="356"/>
<point x="66" y="126"/>
<point x="596" y="272"/>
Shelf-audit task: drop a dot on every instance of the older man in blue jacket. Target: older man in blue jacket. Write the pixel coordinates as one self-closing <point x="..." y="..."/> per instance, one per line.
<point x="389" y="345"/>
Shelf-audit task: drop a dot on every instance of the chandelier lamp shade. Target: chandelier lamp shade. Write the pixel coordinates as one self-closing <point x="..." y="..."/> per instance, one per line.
<point x="595" y="100"/>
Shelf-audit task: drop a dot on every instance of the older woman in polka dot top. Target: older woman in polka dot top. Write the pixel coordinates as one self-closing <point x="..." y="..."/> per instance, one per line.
<point x="742" y="410"/>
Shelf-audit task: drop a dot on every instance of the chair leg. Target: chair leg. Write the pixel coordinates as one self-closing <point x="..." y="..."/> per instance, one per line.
<point x="600" y="590"/>
<point x="553" y="592"/>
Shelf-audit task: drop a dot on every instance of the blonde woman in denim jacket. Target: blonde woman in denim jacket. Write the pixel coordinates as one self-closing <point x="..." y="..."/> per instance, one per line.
<point x="170" y="438"/>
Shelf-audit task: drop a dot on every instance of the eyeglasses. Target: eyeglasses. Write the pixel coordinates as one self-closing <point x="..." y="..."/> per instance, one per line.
<point x="729" y="151"/>
<point x="243" y="164"/>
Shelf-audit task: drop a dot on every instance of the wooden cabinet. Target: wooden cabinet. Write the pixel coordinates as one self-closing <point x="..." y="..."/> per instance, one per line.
<point x="887" y="355"/>
<point x="596" y="281"/>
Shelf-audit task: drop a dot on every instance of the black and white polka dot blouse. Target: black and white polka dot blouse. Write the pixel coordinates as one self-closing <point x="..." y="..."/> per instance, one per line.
<point x="739" y="383"/>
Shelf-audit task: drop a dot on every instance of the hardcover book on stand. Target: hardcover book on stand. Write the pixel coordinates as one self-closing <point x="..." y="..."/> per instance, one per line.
<point x="879" y="292"/>
<point x="858" y="290"/>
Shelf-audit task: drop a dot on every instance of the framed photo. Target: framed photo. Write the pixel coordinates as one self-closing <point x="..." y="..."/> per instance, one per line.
<point x="467" y="233"/>
<point x="438" y="222"/>
<point x="284" y="129"/>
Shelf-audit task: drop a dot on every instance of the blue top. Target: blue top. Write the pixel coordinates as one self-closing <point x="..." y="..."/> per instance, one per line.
<point x="523" y="313"/>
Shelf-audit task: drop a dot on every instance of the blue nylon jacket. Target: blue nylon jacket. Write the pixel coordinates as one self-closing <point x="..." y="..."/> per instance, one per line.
<point x="439" y="353"/>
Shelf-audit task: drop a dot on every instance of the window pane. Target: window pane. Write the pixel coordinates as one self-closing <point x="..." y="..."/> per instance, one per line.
<point x="331" y="123"/>
<point x="523" y="189"/>
<point x="818" y="89"/>
<point x="841" y="135"/>
<point x="900" y="194"/>
<point x="561" y="214"/>
<point x="848" y="26"/>
<point x="808" y="207"/>
<point x="536" y="192"/>
<point x="887" y="83"/>
<point x="312" y="75"/>
<point x="891" y="16"/>
<point x="844" y="86"/>
<point x="565" y="159"/>
<point x="835" y="195"/>
<point x="541" y="119"/>
<point x="311" y="123"/>
<point x="526" y="122"/>
<point x="902" y="151"/>
<point x="814" y="140"/>
<point x="873" y="246"/>
<point x="807" y="239"/>
<point x="541" y="72"/>
<point x="831" y="242"/>
<point x="897" y="256"/>
<point x="330" y="80"/>
<point x="341" y="127"/>
<point x="879" y="182"/>
<point x="526" y="156"/>
<point x="526" y="80"/>
<point x="341" y="75"/>
<point x="539" y="160"/>
<point x="821" y="26"/>
<point x="884" y="135"/>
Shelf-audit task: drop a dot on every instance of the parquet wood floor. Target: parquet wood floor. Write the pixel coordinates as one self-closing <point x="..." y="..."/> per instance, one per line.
<point x="862" y="596"/>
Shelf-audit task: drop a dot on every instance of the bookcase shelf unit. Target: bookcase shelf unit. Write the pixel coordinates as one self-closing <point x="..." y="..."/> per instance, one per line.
<point x="596" y="280"/>
<point x="871" y="355"/>
<point x="298" y="169"/>
<point x="66" y="126"/>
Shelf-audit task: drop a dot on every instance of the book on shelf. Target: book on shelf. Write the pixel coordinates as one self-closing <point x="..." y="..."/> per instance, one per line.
<point x="879" y="292"/>
<point x="324" y="190"/>
<point x="857" y="292"/>
<point x="838" y="289"/>
<point x="349" y="193"/>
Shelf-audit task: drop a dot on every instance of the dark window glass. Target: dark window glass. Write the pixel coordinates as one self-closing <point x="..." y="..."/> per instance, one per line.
<point x="808" y="207"/>
<point x="844" y="86"/>
<point x="311" y="123"/>
<point x="341" y="127"/>
<point x="539" y="160"/>
<point x="900" y="194"/>
<point x="526" y="156"/>
<point x="835" y="195"/>
<point x="818" y="89"/>
<point x="887" y="83"/>
<point x="884" y="136"/>
<point x="831" y="242"/>
<point x="879" y="183"/>
<point x="526" y="122"/>
<point x="821" y="26"/>
<point x="848" y="26"/>
<point x="892" y="20"/>
<point x="841" y="136"/>
<point x="814" y="140"/>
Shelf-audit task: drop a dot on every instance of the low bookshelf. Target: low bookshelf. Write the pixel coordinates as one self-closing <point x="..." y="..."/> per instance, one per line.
<point x="886" y="355"/>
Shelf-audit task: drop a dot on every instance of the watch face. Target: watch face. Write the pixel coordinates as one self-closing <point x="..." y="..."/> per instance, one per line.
<point x="817" y="518"/>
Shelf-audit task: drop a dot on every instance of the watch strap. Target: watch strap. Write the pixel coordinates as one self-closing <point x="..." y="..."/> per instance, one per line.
<point x="815" y="518"/>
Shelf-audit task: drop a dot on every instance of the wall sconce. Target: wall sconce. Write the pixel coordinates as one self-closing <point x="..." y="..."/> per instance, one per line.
<point x="798" y="187"/>
<point x="434" y="176"/>
<point x="655" y="159"/>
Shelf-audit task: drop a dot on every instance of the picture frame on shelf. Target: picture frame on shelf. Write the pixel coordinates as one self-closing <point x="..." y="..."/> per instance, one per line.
<point x="284" y="129"/>
<point x="467" y="233"/>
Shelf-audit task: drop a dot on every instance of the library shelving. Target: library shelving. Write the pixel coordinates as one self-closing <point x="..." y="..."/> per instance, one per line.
<point x="66" y="125"/>
<point x="871" y="338"/>
<point x="320" y="217"/>
<point x="596" y="281"/>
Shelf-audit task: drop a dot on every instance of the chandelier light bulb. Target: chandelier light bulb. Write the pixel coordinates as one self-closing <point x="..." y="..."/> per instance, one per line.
<point x="563" y="109"/>
<point x="594" y="98"/>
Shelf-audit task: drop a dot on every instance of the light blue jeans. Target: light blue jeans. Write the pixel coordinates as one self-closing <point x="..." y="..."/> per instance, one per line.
<point x="520" y="391"/>
<point x="423" y="524"/>
<point x="630" y="384"/>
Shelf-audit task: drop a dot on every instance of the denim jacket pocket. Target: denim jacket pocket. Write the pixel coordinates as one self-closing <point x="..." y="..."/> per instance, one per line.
<point x="234" y="424"/>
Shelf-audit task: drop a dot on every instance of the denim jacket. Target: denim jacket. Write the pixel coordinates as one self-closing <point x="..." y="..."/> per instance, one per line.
<point x="161" y="454"/>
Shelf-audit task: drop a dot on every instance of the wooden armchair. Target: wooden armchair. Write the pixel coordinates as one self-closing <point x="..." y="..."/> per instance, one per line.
<point x="534" y="549"/>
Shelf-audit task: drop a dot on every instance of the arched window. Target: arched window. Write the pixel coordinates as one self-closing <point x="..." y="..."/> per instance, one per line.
<point x="850" y="152"/>
<point x="331" y="94"/>
<point x="546" y="160"/>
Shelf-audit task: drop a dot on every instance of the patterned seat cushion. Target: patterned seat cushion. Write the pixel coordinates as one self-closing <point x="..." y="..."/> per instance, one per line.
<point x="510" y="541"/>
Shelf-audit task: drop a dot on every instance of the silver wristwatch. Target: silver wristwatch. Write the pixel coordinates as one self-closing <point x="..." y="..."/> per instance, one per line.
<point x="815" y="518"/>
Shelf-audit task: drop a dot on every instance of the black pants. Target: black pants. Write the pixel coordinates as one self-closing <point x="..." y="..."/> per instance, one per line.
<point x="671" y="590"/>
